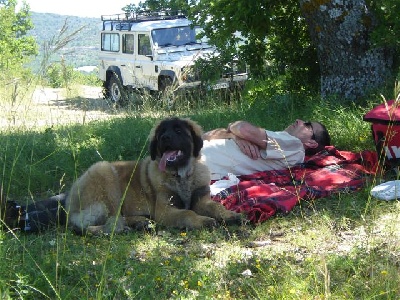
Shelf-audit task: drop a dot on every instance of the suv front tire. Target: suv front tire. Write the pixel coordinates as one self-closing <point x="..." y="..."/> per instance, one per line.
<point x="116" y="91"/>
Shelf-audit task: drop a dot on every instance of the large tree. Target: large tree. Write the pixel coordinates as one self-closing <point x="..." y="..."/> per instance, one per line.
<point x="350" y="63"/>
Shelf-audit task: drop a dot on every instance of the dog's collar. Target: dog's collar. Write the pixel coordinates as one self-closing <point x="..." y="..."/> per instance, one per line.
<point x="185" y="171"/>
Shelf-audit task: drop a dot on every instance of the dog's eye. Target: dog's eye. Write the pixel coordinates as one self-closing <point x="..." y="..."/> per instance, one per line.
<point x="160" y="133"/>
<point x="178" y="130"/>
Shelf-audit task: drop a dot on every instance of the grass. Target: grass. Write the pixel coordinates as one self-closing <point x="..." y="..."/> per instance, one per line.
<point x="340" y="247"/>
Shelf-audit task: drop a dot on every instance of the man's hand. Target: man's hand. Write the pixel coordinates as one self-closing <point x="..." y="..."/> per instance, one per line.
<point x="248" y="148"/>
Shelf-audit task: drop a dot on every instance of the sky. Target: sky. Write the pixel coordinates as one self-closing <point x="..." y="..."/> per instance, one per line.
<point x="81" y="8"/>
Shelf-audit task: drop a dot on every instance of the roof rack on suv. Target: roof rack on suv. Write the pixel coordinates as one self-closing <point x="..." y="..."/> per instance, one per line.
<point x="141" y="16"/>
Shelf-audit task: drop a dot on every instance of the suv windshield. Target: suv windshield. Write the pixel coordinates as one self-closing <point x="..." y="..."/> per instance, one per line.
<point x="175" y="36"/>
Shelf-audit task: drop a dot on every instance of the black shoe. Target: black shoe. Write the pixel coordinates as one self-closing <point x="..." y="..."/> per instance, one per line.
<point x="13" y="215"/>
<point x="45" y="214"/>
<point x="37" y="216"/>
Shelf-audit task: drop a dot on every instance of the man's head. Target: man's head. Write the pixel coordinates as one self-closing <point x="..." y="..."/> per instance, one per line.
<point x="313" y="135"/>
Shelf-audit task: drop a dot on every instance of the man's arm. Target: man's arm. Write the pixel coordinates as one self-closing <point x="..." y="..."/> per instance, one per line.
<point x="219" y="133"/>
<point x="249" y="138"/>
<point x="249" y="132"/>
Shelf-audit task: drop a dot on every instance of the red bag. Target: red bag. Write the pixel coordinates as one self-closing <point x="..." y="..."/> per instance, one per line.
<point x="385" y="119"/>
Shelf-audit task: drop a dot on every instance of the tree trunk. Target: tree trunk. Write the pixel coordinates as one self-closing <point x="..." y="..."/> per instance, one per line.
<point x="350" y="65"/>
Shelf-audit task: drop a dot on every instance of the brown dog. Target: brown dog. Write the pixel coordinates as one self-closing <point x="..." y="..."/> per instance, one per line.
<point x="170" y="187"/>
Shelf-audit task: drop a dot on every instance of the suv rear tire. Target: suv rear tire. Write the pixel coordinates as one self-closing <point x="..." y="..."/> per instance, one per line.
<point x="167" y="92"/>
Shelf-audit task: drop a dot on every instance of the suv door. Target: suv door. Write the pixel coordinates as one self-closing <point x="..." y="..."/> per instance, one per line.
<point x="127" y="59"/>
<point x="144" y="65"/>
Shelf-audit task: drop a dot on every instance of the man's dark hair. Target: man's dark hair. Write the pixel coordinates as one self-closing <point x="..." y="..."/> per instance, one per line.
<point x="322" y="137"/>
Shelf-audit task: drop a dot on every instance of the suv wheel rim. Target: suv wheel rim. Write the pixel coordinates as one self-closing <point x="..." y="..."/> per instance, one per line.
<point x="115" y="93"/>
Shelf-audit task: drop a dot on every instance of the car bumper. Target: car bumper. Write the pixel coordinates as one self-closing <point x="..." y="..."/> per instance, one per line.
<point x="224" y="83"/>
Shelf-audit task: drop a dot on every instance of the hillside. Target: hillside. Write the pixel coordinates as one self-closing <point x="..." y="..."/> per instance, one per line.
<point x="81" y="51"/>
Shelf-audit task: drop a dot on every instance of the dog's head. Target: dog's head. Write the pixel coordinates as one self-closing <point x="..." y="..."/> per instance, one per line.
<point x="174" y="141"/>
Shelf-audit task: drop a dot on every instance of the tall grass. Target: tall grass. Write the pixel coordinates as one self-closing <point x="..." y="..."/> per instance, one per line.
<point x="340" y="247"/>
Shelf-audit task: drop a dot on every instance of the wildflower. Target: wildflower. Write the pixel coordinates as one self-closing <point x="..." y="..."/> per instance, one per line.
<point x="184" y="283"/>
<point x="247" y="273"/>
<point x="258" y="265"/>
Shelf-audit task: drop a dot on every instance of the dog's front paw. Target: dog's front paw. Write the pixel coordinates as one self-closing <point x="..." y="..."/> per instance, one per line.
<point x="201" y="222"/>
<point x="97" y="230"/>
<point x="231" y="217"/>
<point x="144" y="225"/>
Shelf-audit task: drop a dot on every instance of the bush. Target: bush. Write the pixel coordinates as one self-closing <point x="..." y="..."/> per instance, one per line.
<point x="59" y="75"/>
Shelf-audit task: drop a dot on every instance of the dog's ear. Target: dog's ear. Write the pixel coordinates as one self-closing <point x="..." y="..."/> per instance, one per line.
<point x="197" y="133"/>
<point x="198" y="144"/>
<point x="153" y="149"/>
<point x="153" y="142"/>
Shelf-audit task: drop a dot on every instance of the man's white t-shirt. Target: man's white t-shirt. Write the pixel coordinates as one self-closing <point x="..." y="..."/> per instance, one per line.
<point x="223" y="156"/>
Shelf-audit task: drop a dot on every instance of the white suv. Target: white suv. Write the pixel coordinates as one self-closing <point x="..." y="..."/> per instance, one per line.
<point x="155" y="51"/>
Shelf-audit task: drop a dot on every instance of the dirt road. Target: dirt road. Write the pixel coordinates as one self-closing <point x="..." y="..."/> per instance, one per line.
<point x="47" y="107"/>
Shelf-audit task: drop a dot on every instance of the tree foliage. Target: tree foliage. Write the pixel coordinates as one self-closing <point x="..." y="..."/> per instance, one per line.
<point x="15" y="45"/>
<point x="273" y="36"/>
<point x="290" y="51"/>
<point x="158" y="5"/>
<point x="269" y="35"/>
<point x="387" y="31"/>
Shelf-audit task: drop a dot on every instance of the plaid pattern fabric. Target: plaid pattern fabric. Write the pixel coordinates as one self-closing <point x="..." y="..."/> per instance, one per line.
<point x="261" y="195"/>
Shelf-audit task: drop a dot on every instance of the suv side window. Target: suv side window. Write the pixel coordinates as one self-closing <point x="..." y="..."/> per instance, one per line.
<point x="127" y="43"/>
<point x="144" y="44"/>
<point x="110" y="42"/>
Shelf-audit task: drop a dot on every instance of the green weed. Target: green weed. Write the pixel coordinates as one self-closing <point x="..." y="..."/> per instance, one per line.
<point x="344" y="246"/>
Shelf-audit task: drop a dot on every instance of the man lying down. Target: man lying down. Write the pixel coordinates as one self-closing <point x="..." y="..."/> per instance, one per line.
<point x="243" y="149"/>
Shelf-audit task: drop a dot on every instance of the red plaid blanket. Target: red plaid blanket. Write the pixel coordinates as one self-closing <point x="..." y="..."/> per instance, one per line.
<point x="261" y="195"/>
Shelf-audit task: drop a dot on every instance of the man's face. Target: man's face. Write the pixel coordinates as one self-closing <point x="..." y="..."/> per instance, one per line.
<point x="303" y="130"/>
